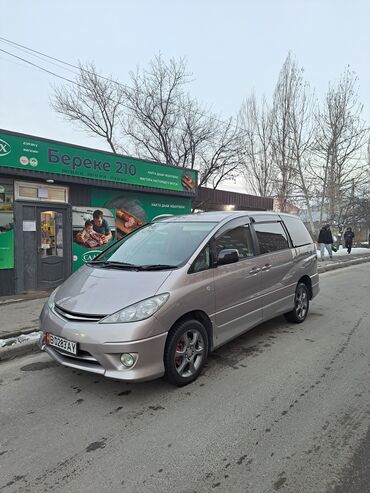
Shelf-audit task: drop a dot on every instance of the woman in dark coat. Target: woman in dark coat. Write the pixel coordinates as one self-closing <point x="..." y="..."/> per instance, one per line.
<point x="325" y="240"/>
<point x="348" y="239"/>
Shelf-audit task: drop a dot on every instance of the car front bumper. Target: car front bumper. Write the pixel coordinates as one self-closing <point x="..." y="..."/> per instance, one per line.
<point x="97" y="355"/>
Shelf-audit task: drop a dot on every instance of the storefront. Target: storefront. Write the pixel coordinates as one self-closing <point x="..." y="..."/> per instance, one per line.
<point x="50" y="190"/>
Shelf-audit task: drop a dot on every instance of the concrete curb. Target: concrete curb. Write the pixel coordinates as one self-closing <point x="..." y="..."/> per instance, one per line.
<point x="16" y="350"/>
<point x="341" y="265"/>
<point x="24" y="348"/>
<point x="17" y="333"/>
<point x="7" y="300"/>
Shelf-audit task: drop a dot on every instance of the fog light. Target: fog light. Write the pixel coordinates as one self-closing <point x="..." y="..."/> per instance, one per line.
<point x="128" y="360"/>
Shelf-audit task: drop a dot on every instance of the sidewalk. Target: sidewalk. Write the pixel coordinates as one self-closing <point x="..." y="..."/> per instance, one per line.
<point x="19" y="313"/>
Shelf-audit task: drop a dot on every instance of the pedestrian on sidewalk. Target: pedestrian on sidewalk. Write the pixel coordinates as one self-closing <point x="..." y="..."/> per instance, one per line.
<point x="325" y="240"/>
<point x="348" y="239"/>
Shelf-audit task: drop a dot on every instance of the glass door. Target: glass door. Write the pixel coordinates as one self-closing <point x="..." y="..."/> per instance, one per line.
<point x="51" y="238"/>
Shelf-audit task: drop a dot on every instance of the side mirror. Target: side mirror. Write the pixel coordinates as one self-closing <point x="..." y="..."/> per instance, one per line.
<point x="228" y="256"/>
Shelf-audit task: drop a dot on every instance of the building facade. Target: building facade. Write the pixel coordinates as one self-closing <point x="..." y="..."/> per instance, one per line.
<point x="49" y="189"/>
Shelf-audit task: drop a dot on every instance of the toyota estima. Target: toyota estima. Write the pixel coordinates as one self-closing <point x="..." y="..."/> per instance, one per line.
<point x="158" y="301"/>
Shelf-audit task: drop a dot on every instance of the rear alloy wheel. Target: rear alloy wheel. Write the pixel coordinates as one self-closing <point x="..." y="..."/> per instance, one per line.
<point x="186" y="352"/>
<point x="301" y="305"/>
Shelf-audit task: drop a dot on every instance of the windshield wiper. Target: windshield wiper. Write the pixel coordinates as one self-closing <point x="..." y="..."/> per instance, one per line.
<point x="113" y="265"/>
<point x="156" y="267"/>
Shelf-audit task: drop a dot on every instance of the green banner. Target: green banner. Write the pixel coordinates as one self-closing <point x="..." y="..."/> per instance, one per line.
<point x="123" y="212"/>
<point x="134" y="209"/>
<point x="63" y="159"/>
<point x="7" y="249"/>
<point x="86" y="246"/>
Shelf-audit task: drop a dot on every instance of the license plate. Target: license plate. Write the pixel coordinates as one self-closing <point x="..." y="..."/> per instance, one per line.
<point x="61" y="343"/>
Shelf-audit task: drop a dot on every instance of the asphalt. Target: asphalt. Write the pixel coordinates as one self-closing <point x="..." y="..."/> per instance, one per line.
<point x="283" y="408"/>
<point x="19" y="313"/>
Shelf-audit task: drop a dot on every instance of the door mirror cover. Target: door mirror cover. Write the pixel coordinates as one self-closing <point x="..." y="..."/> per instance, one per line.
<point x="228" y="256"/>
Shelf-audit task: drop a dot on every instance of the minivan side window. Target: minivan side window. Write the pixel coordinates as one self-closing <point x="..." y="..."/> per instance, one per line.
<point x="239" y="238"/>
<point x="271" y="237"/>
<point x="203" y="261"/>
<point x="297" y="231"/>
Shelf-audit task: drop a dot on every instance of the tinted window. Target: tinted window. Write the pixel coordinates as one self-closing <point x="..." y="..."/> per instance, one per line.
<point x="271" y="237"/>
<point x="239" y="238"/>
<point x="298" y="231"/>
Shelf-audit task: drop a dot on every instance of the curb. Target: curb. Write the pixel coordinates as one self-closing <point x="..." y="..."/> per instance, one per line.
<point x="10" y="301"/>
<point x="341" y="265"/>
<point x="17" y="333"/>
<point x="10" y="352"/>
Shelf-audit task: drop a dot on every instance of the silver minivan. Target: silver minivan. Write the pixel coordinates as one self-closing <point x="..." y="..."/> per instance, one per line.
<point x="158" y="301"/>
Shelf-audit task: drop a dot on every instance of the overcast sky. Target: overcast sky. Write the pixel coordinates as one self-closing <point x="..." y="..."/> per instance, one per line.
<point x="232" y="47"/>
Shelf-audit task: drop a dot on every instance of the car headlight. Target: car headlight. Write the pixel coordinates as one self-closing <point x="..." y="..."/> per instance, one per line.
<point x="51" y="299"/>
<point x="139" y="311"/>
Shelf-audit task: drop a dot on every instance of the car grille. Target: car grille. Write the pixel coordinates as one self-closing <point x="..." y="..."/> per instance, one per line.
<point x="78" y="317"/>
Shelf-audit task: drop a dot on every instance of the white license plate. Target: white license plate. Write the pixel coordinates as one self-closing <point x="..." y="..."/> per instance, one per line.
<point x="61" y="343"/>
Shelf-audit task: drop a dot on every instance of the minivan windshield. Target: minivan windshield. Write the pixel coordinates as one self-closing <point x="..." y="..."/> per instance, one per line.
<point x="161" y="245"/>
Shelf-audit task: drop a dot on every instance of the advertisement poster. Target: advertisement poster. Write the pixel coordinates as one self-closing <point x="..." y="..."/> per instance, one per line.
<point x="133" y="210"/>
<point x="34" y="154"/>
<point x="6" y="230"/>
<point x="87" y="243"/>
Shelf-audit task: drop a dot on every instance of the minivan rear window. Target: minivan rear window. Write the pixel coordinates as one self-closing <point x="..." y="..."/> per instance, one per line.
<point x="297" y="231"/>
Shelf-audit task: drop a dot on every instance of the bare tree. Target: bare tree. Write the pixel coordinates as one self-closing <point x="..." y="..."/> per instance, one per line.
<point x="339" y="141"/>
<point x="258" y="168"/>
<point x="154" y="116"/>
<point x="301" y="122"/>
<point x="93" y="103"/>
<point x="221" y="158"/>
<point x="155" y="103"/>
<point x="282" y="153"/>
<point x="165" y="124"/>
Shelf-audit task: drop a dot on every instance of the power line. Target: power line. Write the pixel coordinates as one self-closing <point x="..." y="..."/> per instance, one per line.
<point x="33" y="53"/>
<point x="82" y="69"/>
<point x="41" y="68"/>
<point x="50" y="72"/>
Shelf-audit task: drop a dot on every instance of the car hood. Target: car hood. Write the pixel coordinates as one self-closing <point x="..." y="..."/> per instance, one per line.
<point x="102" y="291"/>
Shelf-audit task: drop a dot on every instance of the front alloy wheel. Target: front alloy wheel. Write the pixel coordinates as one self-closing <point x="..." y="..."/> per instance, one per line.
<point x="186" y="352"/>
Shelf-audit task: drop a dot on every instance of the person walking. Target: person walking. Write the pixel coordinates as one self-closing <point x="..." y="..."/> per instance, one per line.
<point x="348" y="239"/>
<point x="325" y="240"/>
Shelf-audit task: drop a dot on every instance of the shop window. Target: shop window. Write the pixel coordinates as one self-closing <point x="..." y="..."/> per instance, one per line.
<point x="6" y="195"/>
<point x="40" y="192"/>
<point x="51" y="238"/>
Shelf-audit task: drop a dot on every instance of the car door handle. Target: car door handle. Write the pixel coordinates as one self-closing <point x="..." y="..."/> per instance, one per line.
<point x="266" y="267"/>
<point x="255" y="270"/>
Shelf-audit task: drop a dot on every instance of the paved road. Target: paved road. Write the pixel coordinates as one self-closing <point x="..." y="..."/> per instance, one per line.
<point x="284" y="408"/>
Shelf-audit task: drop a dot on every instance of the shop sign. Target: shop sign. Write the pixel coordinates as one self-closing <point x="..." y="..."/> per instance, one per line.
<point x="63" y="159"/>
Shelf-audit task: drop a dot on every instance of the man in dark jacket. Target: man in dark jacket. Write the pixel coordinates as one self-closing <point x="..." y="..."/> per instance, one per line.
<point x="348" y="239"/>
<point x="325" y="240"/>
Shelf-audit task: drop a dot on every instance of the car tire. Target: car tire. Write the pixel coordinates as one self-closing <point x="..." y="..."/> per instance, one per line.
<point x="185" y="352"/>
<point x="301" y="304"/>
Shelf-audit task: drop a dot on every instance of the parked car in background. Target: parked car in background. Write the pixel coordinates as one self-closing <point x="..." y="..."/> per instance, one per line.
<point x="158" y="301"/>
